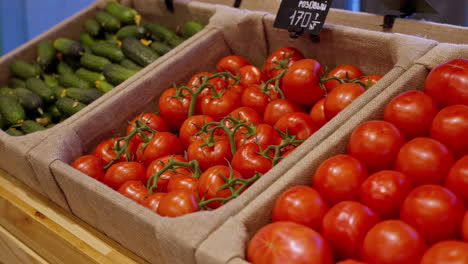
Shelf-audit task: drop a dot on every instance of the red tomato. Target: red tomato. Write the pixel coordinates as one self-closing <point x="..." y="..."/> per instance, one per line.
<point x="179" y="181"/>
<point x="340" y="97"/>
<point x="263" y="134"/>
<point x="370" y="80"/>
<point x="90" y="165"/>
<point x="238" y="88"/>
<point x="447" y="83"/>
<point x="297" y="124"/>
<point x="152" y="120"/>
<point x="163" y="179"/>
<point x="258" y="97"/>
<point x="279" y="107"/>
<point x="434" y="211"/>
<point x="152" y="201"/>
<point x="318" y="113"/>
<point x="119" y="173"/>
<point x="446" y="252"/>
<point x="450" y="127"/>
<point x="162" y="144"/>
<point x="391" y="242"/>
<point x="174" y="110"/>
<point x="424" y="161"/>
<point x="302" y="205"/>
<point x="134" y="190"/>
<point x="208" y="155"/>
<point x="211" y="181"/>
<point x="345" y="71"/>
<point x="105" y="150"/>
<point x="231" y="63"/>
<point x="301" y="82"/>
<point x="250" y="74"/>
<point x="191" y="126"/>
<point x="457" y="179"/>
<point x="384" y="192"/>
<point x="219" y="106"/>
<point x="178" y="203"/>
<point x="280" y="60"/>
<point x="376" y="143"/>
<point x="412" y="112"/>
<point x="288" y="242"/>
<point x="218" y="83"/>
<point x="339" y="178"/>
<point x="247" y="114"/>
<point x="464" y="231"/>
<point x="345" y="226"/>
<point x="247" y="160"/>
<point x="350" y="261"/>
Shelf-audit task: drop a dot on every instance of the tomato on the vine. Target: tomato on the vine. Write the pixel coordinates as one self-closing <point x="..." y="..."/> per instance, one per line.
<point x="464" y="231"/>
<point x="162" y="144"/>
<point x="340" y="97"/>
<point x="178" y="203"/>
<point x="370" y="80"/>
<point x="248" y="160"/>
<point x="179" y="181"/>
<point x="189" y="131"/>
<point x="106" y="152"/>
<point x="152" y="202"/>
<point x="279" y="107"/>
<point x="90" y="165"/>
<point x="280" y="60"/>
<point x="231" y="63"/>
<point x="457" y="179"/>
<point x="251" y="74"/>
<point x="163" y="179"/>
<point x="134" y="190"/>
<point x="301" y="82"/>
<point x="317" y="112"/>
<point x="350" y="261"/>
<point x="297" y="124"/>
<point x="152" y="120"/>
<point x="219" y="105"/>
<point x="344" y="71"/>
<point x="258" y="96"/>
<point x="174" y="108"/>
<point x="246" y="114"/>
<point x="262" y="134"/>
<point x="219" y="83"/>
<point x="446" y="252"/>
<point x="208" y="154"/>
<point x="119" y="173"/>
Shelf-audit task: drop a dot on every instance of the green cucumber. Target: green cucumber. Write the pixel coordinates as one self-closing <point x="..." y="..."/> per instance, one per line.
<point x="86" y="40"/>
<point x="72" y="80"/>
<point x="108" y="50"/>
<point x="30" y="126"/>
<point x="175" y="41"/>
<point x="130" y="64"/>
<point x="107" y="21"/>
<point x="135" y="31"/>
<point x="72" y="61"/>
<point x="124" y="14"/>
<point x="14" y="132"/>
<point x="160" y="32"/>
<point x="11" y="109"/>
<point x="160" y="47"/>
<point x="2" y="122"/>
<point x="59" y="91"/>
<point x="104" y="86"/>
<point x="85" y="96"/>
<point x="191" y="28"/>
<point x="39" y="87"/>
<point x="28" y="99"/>
<point x="92" y="27"/>
<point x="15" y="83"/>
<point x="63" y="67"/>
<point x="51" y="125"/>
<point x="116" y="74"/>
<point x="54" y="112"/>
<point x="25" y="70"/>
<point x="68" y="46"/>
<point x="6" y="90"/>
<point x="50" y="79"/>
<point x="93" y="62"/>
<point x="45" y="54"/>
<point x="90" y="76"/>
<point x="137" y="52"/>
<point x="68" y="106"/>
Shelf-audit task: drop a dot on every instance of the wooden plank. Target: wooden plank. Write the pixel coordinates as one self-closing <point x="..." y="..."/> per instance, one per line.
<point x="13" y="251"/>
<point x="55" y="234"/>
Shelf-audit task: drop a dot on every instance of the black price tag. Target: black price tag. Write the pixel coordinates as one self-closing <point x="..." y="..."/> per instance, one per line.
<point x="302" y="16"/>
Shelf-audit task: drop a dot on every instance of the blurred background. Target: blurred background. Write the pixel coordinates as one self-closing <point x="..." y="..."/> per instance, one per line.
<point x="21" y="20"/>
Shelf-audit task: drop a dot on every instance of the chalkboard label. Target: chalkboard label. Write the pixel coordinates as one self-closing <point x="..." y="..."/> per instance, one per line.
<point x="302" y="16"/>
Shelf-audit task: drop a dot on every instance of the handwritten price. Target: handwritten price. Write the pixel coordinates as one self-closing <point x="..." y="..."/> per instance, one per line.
<point x="304" y="19"/>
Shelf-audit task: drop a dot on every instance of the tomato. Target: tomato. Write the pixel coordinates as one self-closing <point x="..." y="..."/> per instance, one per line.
<point x="340" y="97"/>
<point x="90" y="165"/>
<point x="464" y="231"/>
<point x="134" y="190"/>
<point x="339" y="178"/>
<point x="248" y="160"/>
<point x="174" y="110"/>
<point x="179" y="181"/>
<point x="119" y="173"/>
<point x="211" y="181"/>
<point x="302" y="205"/>
<point x="251" y="74"/>
<point x="263" y="134"/>
<point x="163" y="179"/>
<point x="288" y="242"/>
<point x="152" y="120"/>
<point x="231" y="63"/>
<point x="317" y="112"/>
<point x="384" y="192"/>
<point x="447" y="83"/>
<point x="280" y="60"/>
<point x="345" y="226"/>
<point x="446" y="252"/>
<point x="350" y="261"/>
<point x="162" y="144"/>
<point x="376" y="143"/>
<point x="297" y="124"/>
<point x="301" y="82"/>
<point x="450" y="127"/>
<point x="191" y="126"/>
<point x="220" y="105"/>
<point x="178" y="203"/>
<point x="370" y="80"/>
<point x="219" y="83"/>
<point x="152" y="201"/>
<point x="247" y="114"/>
<point x="424" y="161"/>
<point x="391" y="242"/>
<point x="258" y="97"/>
<point x="210" y="154"/>
<point x="434" y="211"/>
<point x="457" y="179"/>
<point x="237" y="87"/>
<point x="279" y="107"/>
<point x="105" y="150"/>
<point x="344" y="71"/>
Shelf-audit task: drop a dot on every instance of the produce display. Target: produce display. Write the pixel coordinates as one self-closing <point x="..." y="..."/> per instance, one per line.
<point x="70" y="74"/>
<point x="221" y="131"/>
<point x="399" y="194"/>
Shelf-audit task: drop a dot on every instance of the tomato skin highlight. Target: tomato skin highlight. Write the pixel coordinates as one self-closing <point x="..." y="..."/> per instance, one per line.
<point x="446" y="252"/>
<point x="231" y="63"/>
<point x="90" y="165"/>
<point x="134" y="190"/>
<point x="340" y="97"/>
<point x="119" y="173"/>
<point x="152" y="202"/>
<point x="177" y="203"/>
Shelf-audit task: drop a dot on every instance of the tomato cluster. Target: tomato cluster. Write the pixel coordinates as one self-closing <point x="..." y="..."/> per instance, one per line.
<point x="399" y="194"/>
<point x="221" y="131"/>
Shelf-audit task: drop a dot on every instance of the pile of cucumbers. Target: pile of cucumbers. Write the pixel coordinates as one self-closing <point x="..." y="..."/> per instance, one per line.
<point x="69" y="74"/>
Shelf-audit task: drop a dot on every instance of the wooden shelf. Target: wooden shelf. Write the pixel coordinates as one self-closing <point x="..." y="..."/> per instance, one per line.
<point x="35" y="230"/>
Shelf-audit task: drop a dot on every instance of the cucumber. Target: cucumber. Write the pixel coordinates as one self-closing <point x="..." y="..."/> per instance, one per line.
<point x="104" y="86"/>
<point x="86" y="40"/>
<point x="6" y="90"/>
<point x="93" y="62"/>
<point x="68" y="106"/>
<point x="72" y="80"/>
<point x="45" y="54"/>
<point x="130" y="64"/>
<point x="92" y="27"/>
<point x="15" y="83"/>
<point x="108" y="50"/>
<point x="160" y="32"/>
<point x="59" y="91"/>
<point x="51" y="125"/>
<point x="39" y="87"/>
<point x="30" y="126"/>
<point x="2" y="122"/>
<point x="72" y="61"/>
<point x="29" y="100"/>
<point x="135" y="31"/>
<point x="11" y="109"/>
<point x="85" y="96"/>
<point x="25" y="70"/>
<point x="175" y="41"/>
<point x="124" y="14"/>
<point x="68" y="46"/>
<point x="137" y="52"/>
<point x="54" y="113"/>
<point x="160" y="48"/>
<point x="116" y="74"/>
<point x="14" y="132"/>
<point x="107" y="21"/>
<point x="191" y="28"/>
<point x="90" y="76"/>
<point x="50" y="79"/>
<point x="63" y="68"/>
